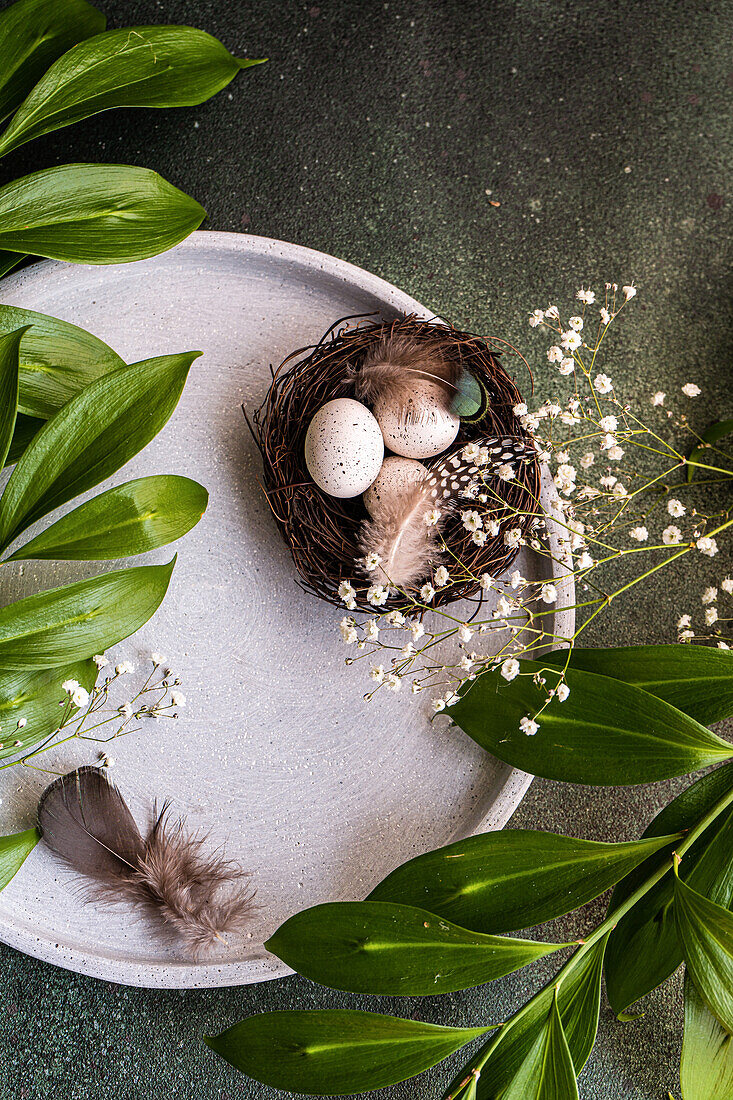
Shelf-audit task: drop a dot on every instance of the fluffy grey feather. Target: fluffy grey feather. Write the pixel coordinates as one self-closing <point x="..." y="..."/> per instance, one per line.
<point x="192" y="892"/>
<point x="393" y="365"/>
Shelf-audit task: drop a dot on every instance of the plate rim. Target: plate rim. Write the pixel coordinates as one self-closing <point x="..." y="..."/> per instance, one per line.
<point x="265" y="967"/>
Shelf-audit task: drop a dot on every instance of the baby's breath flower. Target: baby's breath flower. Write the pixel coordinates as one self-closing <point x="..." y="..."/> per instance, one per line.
<point x="515" y="578"/>
<point x="658" y="398"/>
<point x="466" y="663"/>
<point x="671" y="535"/>
<point x="127" y="710"/>
<point x="562" y="691"/>
<point x="548" y="593"/>
<point x="372" y="561"/>
<point x="347" y="593"/>
<point x="377" y="595"/>
<point x="552" y="312"/>
<point x="510" y="668"/>
<point x="629" y="292"/>
<point x="686" y="635"/>
<point x="640" y="534"/>
<point x="571" y="340"/>
<point x="427" y="592"/>
<point x="585" y="561"/>
<point x="178" y="699"/>
<point x="465" y="633"/>
<point x="587" y="460"/>
<point x="586" y="296"/>
<point x="101" y="661"/>
<point x="432" y="517"/>
<point x="707" y="546"/>
<point x="471" y="521"/>
<point x="723" y="645"/>
<point x="605" y="316"/>
<point x="691" y="390"/>
<point x="377" y="673"/>
<point x="529" y="726"/>
<point x="438" y="705"/>
<point x="371" y="630"/>
<point x="536" y="318"/>
<point x="442" y="576"/>
<point x="710" y="595"/>
<point x="70" y="686"/>
<point x="347" y="626"/>
<point x="513" y="537"/>
<point x="417" y="630"/>
<point x="602" y="384"/>
<point x="479" y="537"/>
<point x="393" y="682"/>
<point x="554" y="354"/>
<point x="506" y="471"/>
<point x="608" y="423"/>
<point x="711" y="615"/>
<point x="80" y="697"/>
<point x="683" y="621"/>
<point x="520" y="409"/>
<point x="676" y="508"/>
<point x="492" y="527"/>
<point x="565" y="367"/>
<point x="395" y="618"/>
<point x="485" y="581"/>
<point x="727" y="585"/>
<point x="620" y="491"/>
<point x="407" y="650"/>
<point x="124" y="668"/>
<point x="615" y="453"/>
<point x="576" y="323"/>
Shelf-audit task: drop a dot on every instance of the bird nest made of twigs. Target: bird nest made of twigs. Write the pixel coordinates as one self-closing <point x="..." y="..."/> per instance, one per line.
<point x="323" y="532"/>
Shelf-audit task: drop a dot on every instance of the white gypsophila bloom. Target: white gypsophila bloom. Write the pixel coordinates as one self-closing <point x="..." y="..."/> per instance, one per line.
<point x="158" y="659"/>
<point x="393" y="682"/>
<point x="554" y="354"/>
<point x="108" y="761"/>
<point x="530" y="423"/>
<point x="520" y="409"/>
<point x="485" y="581"/>
<point x="470" y="452"/>
<point x="629" y="292"/>
<point x="80" y="697"/>
<point x="615" y="453"/>
<point x="471" y="521"/>
<point x="602" y="384"/>
<point x="569" y="418"/>
<point x="510" y="668"/>
<point x="371" y="630"/>
<point x="515" y="578"/>
<point x="548" y="593"/>
<point x="686" y="635"/>
<point x="586" y="296"/>
<point x="620" y="491"/>
<point x="608" y="481"/>
<point x="723" y="645"/>
<point x="70" y="686"/>
<point x="346" y="591"/>
<point x="438" y="705"/>
<point x="377" y="595"/>
<point x="605" y="316"/>
<point x="372" y="561"/>
<point x="416" y="688"/>
<point x="710" y="595"/>
<point x="608" y="441"/>
<point x="571" y="340"/>
<point x="407" y="650"/>
<point x="513" y="537"/>
<point x="707" y="546"/>
<point x="124" y="668"/>
<point x="562" y="456"/>
<point x="377" y="673"/>
<point x="504" y="607"/>
<point x="22" y="723"/>
<point x="658" y="398"/>
<point x="395" y="618"/>
<point x="466" y="663"/>
<point x="562" y="691"/>
<point x="536" y="318"/>
<point x="492" y="527"/>
<point x="178" y="699"/>
<point x="101" y="661"/>
<point x="126" y="710"/>
<point x="587" y="460"/>
<point x="640" y="534"/>
<point x="691" y="390"/>
<point x="552" y="312"/>
<point x="576" y="323"/>
<point x="348" y="631"/>
<point x="727" y="585"/>
<point x="465" y="633"/>
<point x="506" y="471"/>
<point x="683" y="621"/>
<point x="483" y="456"/>
<point x="671" y="535"/>
<point x="417" y="630"/>
<point x="432" y="517"/>
<point x="585" y="561"/>
<point x="608" y="423"/>
<point x="711" y="615"/>
<point x="676" y="508"/>
<point x="565" y="367"/>
<point x="427" y="592"/>
<point x="529" y="726"/>
<point x="479" y="537"/>
<point x="442" y="576"/>
<point x="454" y="697"/>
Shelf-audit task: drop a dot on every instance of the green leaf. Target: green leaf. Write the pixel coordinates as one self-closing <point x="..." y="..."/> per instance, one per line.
<point x="578" y="1003"/>
<point x="154" y="66"/>
<point x="705" y="930"/>
<point x="34" y="697"/>
<point x="57" y="360"/>
<point x="516" y="878"/>
<point x="95" y="214"/>
<point x="33" y="33"/>
<point x="26" y="429"/>
<point x="73" y="622"/>
<point x="718" y="430"/>
<point x="706" y="1068"/>
<point x="696" y="679"/>
<point x="547" y="1072"/>
<point x="14" y="850"/>
<point x="606" y="733"/>
<point x="644" y="949"/>
<point x="91" y="437"/>
<point x="380" y="947"/>
<point x="9" y="260"/>
<point x="334" y="1052"/>
<point x="129" y="519"/>
<point x="9" y="349"/>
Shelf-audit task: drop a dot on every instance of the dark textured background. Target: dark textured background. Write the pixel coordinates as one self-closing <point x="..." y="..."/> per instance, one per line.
<point x="381" y="133"/>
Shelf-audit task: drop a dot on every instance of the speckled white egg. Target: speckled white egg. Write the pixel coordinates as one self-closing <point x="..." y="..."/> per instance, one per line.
<point x="421" y="427"/>
<point x="396" y="477"/>
<point x="343" y="448"/>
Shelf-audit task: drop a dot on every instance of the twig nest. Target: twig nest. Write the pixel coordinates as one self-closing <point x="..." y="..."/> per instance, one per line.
<point x="317" y="509"/>
<point x="419" y="427"/>
<point x="343" y="448"/>
<point x="396" y="478"/>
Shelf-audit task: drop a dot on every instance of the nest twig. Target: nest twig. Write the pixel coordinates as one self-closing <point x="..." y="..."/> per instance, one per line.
<point x="321" y="531"/>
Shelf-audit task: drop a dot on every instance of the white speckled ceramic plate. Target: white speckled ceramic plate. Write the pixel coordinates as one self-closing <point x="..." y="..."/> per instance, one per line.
<point x="319" y="793"/>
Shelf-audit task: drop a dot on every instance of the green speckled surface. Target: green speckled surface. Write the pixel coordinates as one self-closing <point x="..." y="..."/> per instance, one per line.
<point x="374" y="133"/>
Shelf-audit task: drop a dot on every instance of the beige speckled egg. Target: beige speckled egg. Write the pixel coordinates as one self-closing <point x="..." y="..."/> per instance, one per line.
<point x="420" y="428"/>
<point x="343" y="448"/>
<point x="396" y="477"/>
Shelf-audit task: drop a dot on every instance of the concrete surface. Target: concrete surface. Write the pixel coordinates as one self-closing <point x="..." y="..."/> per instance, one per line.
<point x="383" y="133"/>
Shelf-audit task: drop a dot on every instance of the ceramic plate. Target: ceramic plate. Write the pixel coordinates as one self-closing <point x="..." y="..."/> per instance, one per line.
<point x="318" y="792"/>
